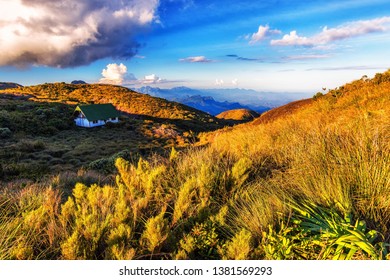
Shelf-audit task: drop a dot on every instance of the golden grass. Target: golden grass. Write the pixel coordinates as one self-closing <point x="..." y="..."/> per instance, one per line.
<point x="293" y="188"/>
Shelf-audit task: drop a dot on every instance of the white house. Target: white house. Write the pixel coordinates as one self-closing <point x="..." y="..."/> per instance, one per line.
<point x="92" y="115"/>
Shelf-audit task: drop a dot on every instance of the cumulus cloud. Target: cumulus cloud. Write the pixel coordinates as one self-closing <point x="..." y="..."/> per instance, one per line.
<point x="329" y="35"/>
<point x="116" y="74"/>
<point x="151" y="79"/>
<point x="261" y="34"/>
<point x="196" y="59"/>
<point x="292" y="39"/>
<point x="70" y="33"/>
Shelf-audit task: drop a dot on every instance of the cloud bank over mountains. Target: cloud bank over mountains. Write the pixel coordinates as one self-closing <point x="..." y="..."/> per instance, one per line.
<point x="71" y="33"/>
<point x="117" y="74"/>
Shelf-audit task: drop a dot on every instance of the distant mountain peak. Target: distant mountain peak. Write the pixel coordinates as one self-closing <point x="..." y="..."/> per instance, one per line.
<point x="78" y="82"/>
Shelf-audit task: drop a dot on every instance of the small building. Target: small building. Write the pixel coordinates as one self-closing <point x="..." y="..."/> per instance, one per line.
<point x="92" y="115"/>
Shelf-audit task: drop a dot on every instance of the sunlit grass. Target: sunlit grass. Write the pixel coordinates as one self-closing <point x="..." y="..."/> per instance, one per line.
<point x="311" y="185"/>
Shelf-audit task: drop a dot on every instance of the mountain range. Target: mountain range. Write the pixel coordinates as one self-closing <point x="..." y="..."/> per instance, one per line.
<point x="216" y="101"/>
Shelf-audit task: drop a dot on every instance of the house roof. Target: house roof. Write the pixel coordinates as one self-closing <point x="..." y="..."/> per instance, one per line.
<point x="94" y="112"/>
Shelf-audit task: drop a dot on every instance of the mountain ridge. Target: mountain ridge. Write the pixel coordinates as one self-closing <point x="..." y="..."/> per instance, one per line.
<point x="9" y="85"/>
<point x="201" y="99"/>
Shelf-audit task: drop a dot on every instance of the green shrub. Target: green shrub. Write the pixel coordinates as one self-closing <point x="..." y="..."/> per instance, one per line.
<point x="203" y="242"/>
<point x="5" y="133"/>
<point x="107" y="165"/>
<point x="318" y="95"/>
<point x="239" y="247"/>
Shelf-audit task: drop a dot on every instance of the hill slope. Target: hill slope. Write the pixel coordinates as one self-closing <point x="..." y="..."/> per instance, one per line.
<point x="369" y="97"/>
<point x="4" y="85"/>
<point x="38" y="135"/>
<point x="238" y="115"/>
<point x="122" y="98"/>
<point x="283" y="111"/>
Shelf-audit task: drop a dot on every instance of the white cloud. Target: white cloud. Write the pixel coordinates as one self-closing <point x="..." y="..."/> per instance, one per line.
<point x="329" y="35"/>
<point x="307" y="56"/>
<point x="71" y="32"/>
<point x="292" y="39"/>
<point x="196" y="59"/>
<point x="219" y="82"/>
<point x="116" y="74"/>
<point x="357" y="67"/>
<point x="151" y="79"/>
<point x="261" y="34"/>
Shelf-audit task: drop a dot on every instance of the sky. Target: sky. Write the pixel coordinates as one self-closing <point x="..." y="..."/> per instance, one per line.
<point x="276" y="45"/>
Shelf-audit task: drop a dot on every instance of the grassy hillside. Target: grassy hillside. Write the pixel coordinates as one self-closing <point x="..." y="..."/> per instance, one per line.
<point x="9" y="85"/>
<point x="122" y="98"/>
<point x="310" y="184"/>
<point x="38" y="135"/>
<point x="238" y="115"/>
<point x="283" y="111"/>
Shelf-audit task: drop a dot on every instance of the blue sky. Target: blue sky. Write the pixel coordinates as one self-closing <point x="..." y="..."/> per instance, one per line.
<point x="285" y="46"/>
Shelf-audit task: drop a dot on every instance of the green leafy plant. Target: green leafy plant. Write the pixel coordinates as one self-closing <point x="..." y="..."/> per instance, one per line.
<point x="336" y="236"/>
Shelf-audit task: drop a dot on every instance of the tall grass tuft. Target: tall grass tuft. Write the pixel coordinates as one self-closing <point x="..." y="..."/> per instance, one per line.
<point x="28" y="225"/>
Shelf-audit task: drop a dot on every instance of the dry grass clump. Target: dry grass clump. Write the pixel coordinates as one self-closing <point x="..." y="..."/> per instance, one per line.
<point x="29" y="223"/>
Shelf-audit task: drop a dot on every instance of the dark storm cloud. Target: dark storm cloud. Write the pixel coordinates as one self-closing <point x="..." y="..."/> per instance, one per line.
<point x="71" y="32"/>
